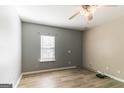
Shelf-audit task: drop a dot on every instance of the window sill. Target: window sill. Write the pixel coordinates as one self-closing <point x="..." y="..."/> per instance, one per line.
<point x="46" y="61"/>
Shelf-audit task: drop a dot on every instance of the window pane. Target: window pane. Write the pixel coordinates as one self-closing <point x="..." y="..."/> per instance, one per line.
<point x="47" y="41"/>
<point x="47" y="48"/>
<point x="47" y="53"/>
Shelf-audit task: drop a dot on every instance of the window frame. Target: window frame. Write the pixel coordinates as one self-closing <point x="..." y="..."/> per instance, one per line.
<point x="52" y="60"/>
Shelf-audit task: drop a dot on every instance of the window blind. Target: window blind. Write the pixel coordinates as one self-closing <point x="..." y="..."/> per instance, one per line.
<point x="47" y="48"/>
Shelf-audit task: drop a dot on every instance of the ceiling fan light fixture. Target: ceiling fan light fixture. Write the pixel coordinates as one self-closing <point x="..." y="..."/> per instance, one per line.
<point x="87" y="11"/>
<point x="92" y="10"/>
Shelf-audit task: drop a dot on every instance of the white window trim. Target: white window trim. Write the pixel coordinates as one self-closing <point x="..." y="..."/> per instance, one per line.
<point x="51" y="60"/>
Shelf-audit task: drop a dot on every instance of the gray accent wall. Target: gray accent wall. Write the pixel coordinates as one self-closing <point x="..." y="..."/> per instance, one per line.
<point x="65" y="40"/>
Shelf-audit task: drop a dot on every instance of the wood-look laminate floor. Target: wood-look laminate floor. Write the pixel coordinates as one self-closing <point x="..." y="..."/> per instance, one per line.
<point x="71" y="78"/>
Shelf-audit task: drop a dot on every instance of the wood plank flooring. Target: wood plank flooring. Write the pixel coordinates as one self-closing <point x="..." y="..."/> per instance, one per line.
<point x="71" y="78"/>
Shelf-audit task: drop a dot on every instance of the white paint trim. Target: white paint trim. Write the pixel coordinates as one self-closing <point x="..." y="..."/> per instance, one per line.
<point x="18" y="81"/>
<point x="54" y="69"/>
<point x="111" y="76"/>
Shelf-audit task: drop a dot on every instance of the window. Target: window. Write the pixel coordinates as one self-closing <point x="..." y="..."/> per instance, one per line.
<point x="47" y="48"/>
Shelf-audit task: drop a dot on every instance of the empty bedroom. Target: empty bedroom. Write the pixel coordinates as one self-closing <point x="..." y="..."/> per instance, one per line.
<point x="62" y="46"/>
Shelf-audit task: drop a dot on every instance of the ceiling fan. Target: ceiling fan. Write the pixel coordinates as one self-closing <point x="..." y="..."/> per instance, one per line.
<point x="88" y="10"/>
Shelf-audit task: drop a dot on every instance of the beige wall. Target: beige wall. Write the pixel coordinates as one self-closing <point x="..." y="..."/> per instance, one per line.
<point x="103" y="48"/>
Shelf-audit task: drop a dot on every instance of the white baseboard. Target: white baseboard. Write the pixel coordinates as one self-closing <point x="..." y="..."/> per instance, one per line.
<point x="113" y="77"/>
<point x="18" y="81"/>
<point x="47" y="70"/>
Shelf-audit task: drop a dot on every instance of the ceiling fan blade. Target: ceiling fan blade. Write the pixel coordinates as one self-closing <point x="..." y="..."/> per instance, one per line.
<point x="74" y="15"/>
<point x="110" y="5"/>
<point x="100" y="6"/>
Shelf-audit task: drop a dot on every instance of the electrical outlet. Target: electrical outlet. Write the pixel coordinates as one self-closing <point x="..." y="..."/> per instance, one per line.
<point x="69" y="62"/>
<point x="69" y="51"/>
<point x="118" y="71"/>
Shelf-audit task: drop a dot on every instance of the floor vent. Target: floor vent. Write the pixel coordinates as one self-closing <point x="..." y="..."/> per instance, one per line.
<point x="102" y="76"/>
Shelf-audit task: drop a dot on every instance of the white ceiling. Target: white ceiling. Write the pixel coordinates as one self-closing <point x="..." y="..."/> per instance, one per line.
<point x="57" y="15"/>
